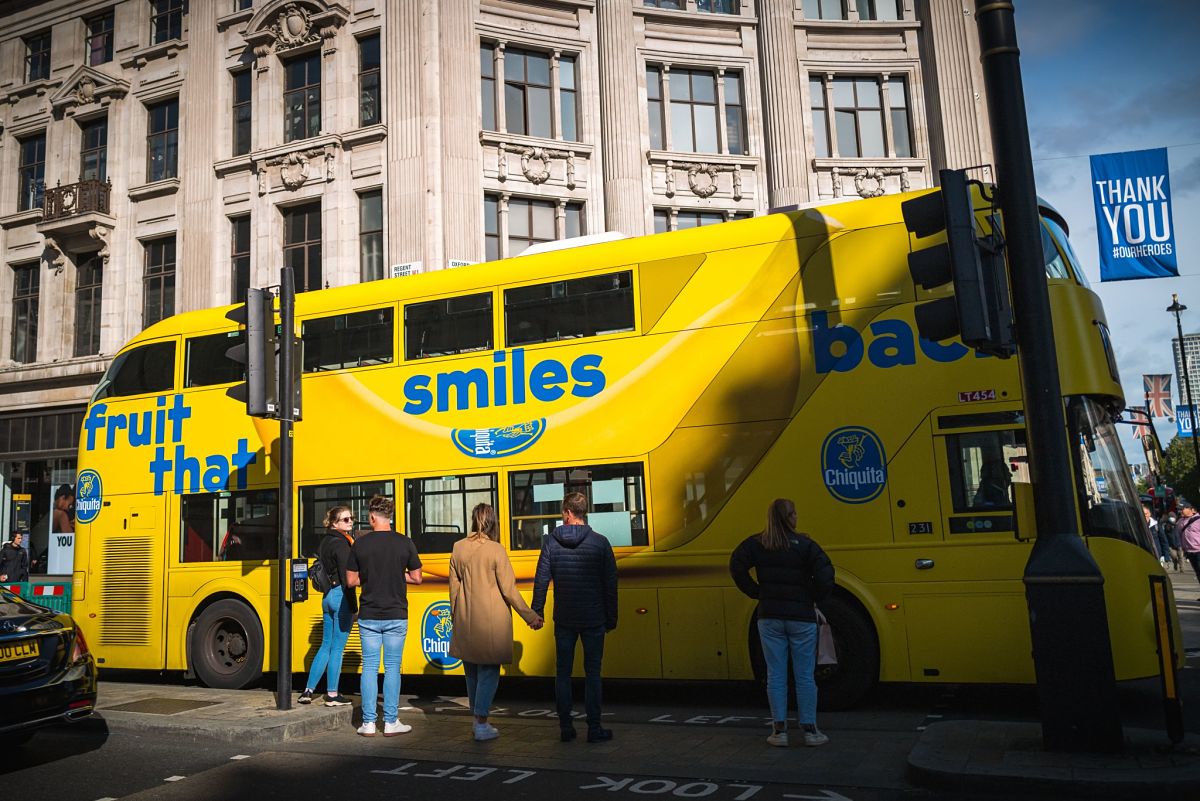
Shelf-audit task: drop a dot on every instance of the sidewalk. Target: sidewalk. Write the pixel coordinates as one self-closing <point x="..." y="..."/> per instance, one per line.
<point x="961" y="756"/>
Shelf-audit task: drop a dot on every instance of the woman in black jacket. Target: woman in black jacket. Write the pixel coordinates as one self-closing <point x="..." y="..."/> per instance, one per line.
<point x="793" y="575"/>
<point x="338" y="607"/>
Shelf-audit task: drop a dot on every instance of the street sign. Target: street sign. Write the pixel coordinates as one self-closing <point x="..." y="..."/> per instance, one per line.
<point x="1183" y="420"/>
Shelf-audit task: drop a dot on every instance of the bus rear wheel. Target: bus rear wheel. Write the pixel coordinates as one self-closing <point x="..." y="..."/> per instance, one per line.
<point x="227" y="646"/>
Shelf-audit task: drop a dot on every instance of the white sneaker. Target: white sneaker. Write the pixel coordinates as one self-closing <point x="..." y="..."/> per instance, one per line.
<point x="367" y="729"/>
<point x="485" y="731"/>
<point x="395" y="727"/>
<point x="778" y="738"/>
<point x="814" y="738"/>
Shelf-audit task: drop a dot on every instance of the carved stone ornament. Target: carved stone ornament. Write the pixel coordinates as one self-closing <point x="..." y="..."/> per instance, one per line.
<point x="293" y="170"/>
<point x="501" y="161"/>
<point x="100" y="234"/>
<point x="702" y="186"/>
<point x="292" y="27"/>
<point x="57" y="259"/>
<point x="535" y="174"/>
<point x="670" y="178"/>
<point x="869" y="182"/>
<point x="85" y="91"/>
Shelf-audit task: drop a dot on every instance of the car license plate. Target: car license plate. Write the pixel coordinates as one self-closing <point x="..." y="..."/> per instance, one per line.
<point x="16" y="651"/>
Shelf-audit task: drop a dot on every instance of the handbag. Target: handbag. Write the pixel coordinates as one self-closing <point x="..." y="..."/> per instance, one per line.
<point x="826" y="651"/>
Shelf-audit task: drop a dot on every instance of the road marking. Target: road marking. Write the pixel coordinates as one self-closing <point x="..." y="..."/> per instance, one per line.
<point x="174" y="778"/>
<point x="826" y="795"/>
<point x="240" y="756"/>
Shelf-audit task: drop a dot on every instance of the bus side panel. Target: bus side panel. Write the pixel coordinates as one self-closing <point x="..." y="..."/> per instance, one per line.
<point x="1127" y="569"/>
<point x="964" y="632"/>
<point x="693" y="633"/>
<point x="126" y="582"/>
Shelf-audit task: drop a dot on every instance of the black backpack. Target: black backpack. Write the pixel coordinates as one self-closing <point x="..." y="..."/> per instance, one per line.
<point x="320" y="575"/>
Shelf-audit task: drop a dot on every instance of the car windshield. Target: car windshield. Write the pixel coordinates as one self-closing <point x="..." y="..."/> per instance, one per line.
<point x="1107" y="496"/>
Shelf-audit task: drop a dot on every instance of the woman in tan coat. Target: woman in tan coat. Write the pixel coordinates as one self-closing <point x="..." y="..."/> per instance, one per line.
<point x="482" y="590"/>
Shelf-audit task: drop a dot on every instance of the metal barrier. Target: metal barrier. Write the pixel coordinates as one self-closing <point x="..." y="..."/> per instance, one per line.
<point x="53" y="594"/>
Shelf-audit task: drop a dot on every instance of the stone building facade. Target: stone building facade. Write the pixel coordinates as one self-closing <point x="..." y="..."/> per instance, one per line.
<point x="159" y="156"/>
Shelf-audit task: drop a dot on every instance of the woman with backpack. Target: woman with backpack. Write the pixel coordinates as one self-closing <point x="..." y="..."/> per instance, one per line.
<point x="793" y="574"/>
<point x="338" y="606"/>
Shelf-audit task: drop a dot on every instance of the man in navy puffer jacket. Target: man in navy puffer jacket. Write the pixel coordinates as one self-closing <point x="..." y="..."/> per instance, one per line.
<point x="580" y="562"/>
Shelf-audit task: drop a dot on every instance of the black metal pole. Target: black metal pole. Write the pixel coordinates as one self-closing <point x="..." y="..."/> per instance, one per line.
<point x="1178" y="308"/>
<point x="1068" y="623"/>
<point x="287" y="303"/>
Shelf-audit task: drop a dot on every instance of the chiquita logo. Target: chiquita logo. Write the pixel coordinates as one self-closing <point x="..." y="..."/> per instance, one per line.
<point x="89" y="496"/>
<point x="853" y="465"/>
<point x="436" y="627"/>
<point x="492" y="443"/>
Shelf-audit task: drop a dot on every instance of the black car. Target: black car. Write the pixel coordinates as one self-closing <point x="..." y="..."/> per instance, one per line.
<point x="46" y="673"/>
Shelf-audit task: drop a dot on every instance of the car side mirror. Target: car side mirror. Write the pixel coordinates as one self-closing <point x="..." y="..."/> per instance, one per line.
<point x="1025" y="522"/>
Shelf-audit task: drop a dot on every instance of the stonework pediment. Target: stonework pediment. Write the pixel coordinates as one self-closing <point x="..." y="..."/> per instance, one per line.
<point x="282" y="25"/>
<point x="87" y="86"/>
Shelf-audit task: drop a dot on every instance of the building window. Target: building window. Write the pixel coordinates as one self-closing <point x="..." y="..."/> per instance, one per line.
<point x="678" y="219"/>
<point x="824" y="9"/>
<point x="368" y="80"/>
<point x="166" y="20"/>
<point x="31" y="171"/>
<point x="858" y="117"/>
<point x="242" y="113"/>
<point x="487" y="85"/>
<point x="162" y="140"/>
<point x="491" y="227"/>
<point x="100" y="39"/>
<point x="93" y="154"/>
<point x="37" y="56"/>
<point x="529" y="222"/>
<point x="370" y="234"/>
<point x="25" y="313"/>
<point x="88" y="290"/>
<point x="302" y="245"/>
<point x="525" y="222"/>
<point x="717" y="6"/>
<point x="531" y="106"/>
<point x="820" y="119"/>
<point x="242" y="5"/>
<point x="239" y="257"/>
<point x="677" y="5"/>
<point x="695" y="107"/>
<point x="158" y="291"/>
<point x="880" y="10"/>
<point x="897" y="95"/>
<point x="302" y="98"/>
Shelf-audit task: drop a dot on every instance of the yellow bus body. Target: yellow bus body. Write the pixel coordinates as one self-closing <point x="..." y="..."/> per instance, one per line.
<point x="753" y="344"/>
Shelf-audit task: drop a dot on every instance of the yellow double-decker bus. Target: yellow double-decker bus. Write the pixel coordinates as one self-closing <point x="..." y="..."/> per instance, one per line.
<point x="681" y="382"/>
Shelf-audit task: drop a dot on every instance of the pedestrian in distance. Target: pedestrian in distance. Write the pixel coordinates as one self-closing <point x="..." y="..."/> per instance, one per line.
<point x="1158" y="537"/>
<point x="1189" y="535"/>
<point x="483" y="593"/>
<point x="792" y="575"/>
<point x="338" y="607"/>
<point x="580" y="563"/>
<point x="14" y="560"/>
<point x="383" y="563"/>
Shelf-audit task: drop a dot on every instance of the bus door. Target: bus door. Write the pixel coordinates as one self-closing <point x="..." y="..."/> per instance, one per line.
<point x="965" y="608"/>
<point x="127" y="569"/>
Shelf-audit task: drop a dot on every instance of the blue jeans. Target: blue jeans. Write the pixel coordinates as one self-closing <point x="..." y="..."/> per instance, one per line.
<point x="390" y="635"/>
<point x="779" y="637"/>
<point x="593" y="655"/>
<point x="482" y="681"/>
<point x="337" y="619"/>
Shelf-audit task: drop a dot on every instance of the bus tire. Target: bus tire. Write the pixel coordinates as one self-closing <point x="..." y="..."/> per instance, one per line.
<point x="226" y="642"/>
<point x="845" y="684"/>
<point x="840" y="686"/>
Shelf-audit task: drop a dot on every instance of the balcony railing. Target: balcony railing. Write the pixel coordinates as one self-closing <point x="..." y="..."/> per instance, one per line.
<point x="80" y="198"/>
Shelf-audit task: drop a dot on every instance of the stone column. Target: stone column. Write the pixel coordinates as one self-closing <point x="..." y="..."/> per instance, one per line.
<point x="404" y="174"/>
<point x="620" y="119"/>
<point x="200" y="233"/>
<point x="955" y="107"/>
<point x="783" y="106"/>
<point x="462" y="156"/>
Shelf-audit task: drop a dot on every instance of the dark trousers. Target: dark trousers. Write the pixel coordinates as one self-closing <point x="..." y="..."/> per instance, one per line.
<point x="593" y="655"/>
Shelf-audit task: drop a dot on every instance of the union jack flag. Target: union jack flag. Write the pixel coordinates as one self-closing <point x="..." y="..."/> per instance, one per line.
<point x="1141" y="431"/>
<point x="1158" y="395"/>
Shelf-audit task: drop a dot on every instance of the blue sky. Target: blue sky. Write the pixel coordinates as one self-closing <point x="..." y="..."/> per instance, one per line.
<point x="1102" y="76"/>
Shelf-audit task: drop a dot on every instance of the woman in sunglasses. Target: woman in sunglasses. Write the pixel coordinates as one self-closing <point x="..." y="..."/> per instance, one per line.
<point x="338" y="606"/>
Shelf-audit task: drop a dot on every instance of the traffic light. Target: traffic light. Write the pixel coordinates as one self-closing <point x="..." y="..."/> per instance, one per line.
<point x="979" y="311"/>
<point x="258" y="352"/>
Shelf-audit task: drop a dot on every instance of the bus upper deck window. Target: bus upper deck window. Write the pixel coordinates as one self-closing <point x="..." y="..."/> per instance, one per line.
<point x="579" y="307"/>
<point x="1055" y="266"/>
<point x="206" y="364"/>
<point x="448" y="326"/>
<point x="1064" y="246"/>
<point x="357" y="339"/>
<point x="150" y="368"/>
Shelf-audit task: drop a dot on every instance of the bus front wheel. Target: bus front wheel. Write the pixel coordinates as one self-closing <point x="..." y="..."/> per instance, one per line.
<point x="227" y="645"/>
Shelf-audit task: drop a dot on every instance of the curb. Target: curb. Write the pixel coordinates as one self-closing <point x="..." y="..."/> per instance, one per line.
<point x="269" y="728"/>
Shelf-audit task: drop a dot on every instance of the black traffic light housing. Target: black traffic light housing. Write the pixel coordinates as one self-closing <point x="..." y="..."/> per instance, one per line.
<point x="979" y="312"/>
<point x="257" y="351"/>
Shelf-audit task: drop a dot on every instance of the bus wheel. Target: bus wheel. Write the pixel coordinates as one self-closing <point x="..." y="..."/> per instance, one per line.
<point x="843" y="685"/>
<point x="227" y="646"/>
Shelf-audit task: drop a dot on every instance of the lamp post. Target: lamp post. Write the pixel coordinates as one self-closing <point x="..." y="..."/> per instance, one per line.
<point x="1178" y="308"/>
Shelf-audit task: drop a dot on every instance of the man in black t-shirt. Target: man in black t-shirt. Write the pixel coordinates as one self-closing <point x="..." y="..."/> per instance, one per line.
<point x="383" y="563"/>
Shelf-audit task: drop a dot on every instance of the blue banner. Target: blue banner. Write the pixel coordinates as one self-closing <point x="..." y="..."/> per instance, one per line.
<point x="1132" y="192"/>
<point x="1183" y="420"/>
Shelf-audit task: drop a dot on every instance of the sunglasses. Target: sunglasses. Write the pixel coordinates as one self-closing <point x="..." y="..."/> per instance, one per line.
<point x="345" y="520"/>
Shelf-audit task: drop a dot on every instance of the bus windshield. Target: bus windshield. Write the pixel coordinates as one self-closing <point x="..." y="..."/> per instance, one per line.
<point x="1106" y="494"/>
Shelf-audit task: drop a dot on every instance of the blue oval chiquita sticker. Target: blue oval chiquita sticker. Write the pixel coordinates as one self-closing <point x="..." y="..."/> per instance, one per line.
<point x="436" y="626"/>
<point x="492" y="443"/>
<point x="853" y="465"/>
<point x="89" y="496"/>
